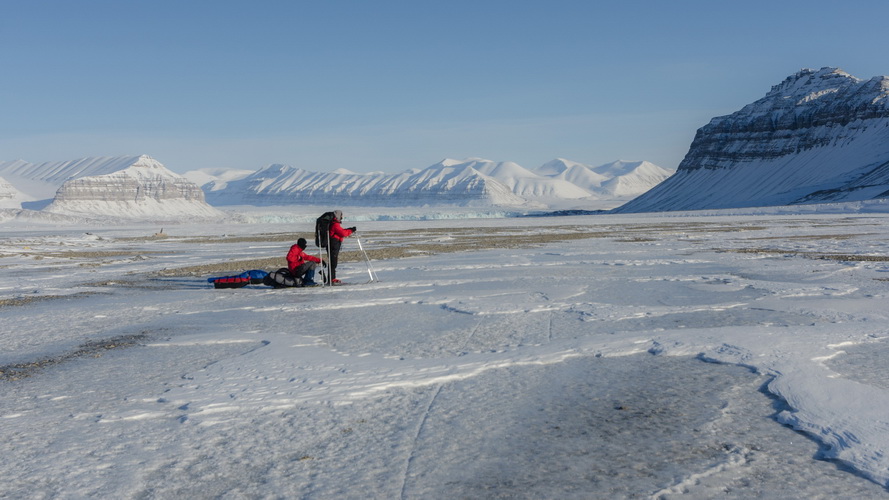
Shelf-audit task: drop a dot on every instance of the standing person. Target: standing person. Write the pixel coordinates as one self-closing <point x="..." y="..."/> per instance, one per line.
<point x="337" y="234"/>
<point x="301" y="264"/>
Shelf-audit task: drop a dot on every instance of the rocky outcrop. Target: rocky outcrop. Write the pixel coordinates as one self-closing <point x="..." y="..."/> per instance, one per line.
<point x="42" y="180"/>
<point x="817" y="136"/>
<point x="144" y="189"/>
<point x="144" y="179"/>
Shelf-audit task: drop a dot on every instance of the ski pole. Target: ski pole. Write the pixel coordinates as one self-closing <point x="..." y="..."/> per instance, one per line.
<point x="370" y="269"/>
<point x="366" y="261"/>
<point x="329" y="276"/>
<point x="321" y="256"/>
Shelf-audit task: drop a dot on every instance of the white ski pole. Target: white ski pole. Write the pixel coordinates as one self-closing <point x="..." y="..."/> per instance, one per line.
<point x="370" y="269"/>
<point x="320" y="257"/>
<point x="329" y="276"/>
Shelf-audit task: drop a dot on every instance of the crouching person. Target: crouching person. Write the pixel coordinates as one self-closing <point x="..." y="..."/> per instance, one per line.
<point x="302" y="265"/>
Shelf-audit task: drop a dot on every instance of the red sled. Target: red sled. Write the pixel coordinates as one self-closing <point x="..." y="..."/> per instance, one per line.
<point x="231" y="282"/>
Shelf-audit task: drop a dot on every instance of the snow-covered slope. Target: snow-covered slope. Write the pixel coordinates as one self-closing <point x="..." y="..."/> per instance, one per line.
<point x="144" y="189"/>
<point x="573" y="172"/>
<point x="818" y="136"/>
<point x="214" y="179"/>
<point x="472" y="182"/>
<point x="469" y="182"/>
<point x="445" y="183"/>
<point x="618" y="180"/>
<point x="10" y="197"/>
<point x="628" y="179"/>
<point x="527" y="184"/>
<point x="41" y="180"/>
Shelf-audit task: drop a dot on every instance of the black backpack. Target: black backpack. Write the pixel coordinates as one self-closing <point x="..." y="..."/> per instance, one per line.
<point x="322" y="229"/>
<point x="281" y="278"/>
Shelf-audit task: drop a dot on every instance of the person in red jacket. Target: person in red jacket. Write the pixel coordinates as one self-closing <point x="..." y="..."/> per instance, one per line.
<point x="337" y="234"/>
<point x="301" y="264"/>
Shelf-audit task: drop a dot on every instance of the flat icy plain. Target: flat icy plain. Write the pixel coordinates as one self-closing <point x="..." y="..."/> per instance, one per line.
<point x="562" y="357"/>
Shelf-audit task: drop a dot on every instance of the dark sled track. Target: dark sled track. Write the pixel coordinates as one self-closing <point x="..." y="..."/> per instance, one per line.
<point x="422" y="422"/>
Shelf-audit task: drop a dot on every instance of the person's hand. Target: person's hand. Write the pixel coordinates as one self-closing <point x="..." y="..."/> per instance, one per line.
<point x="353" y="229"/>
<point x="323" y="264"/>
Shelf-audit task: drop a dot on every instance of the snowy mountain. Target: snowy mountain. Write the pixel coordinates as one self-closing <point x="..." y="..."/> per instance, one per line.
<point x="573" y="172"/>
<point x="144" y="189"/>
<point x="616" y="180"/>
<point x="469" y="182"/>
<point x="10" y="197"/>
<point x="140" y="187"/>
<point x="214" y="179"/>
<point x="527" y="184"/>
<point x="446" y="183"/>
<point x="131" y="187"/>
<point x="41" y="180"/>
<point x="819" y="136"/>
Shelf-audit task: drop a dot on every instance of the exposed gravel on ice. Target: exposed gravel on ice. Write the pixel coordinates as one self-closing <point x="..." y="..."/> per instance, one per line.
<point x="632" y="358"/>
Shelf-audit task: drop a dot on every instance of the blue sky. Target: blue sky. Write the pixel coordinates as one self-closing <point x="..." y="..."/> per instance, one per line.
<point x="390" y="85"/>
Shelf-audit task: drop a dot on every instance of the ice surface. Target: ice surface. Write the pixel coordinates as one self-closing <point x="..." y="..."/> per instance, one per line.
<point x="653" y="357"/>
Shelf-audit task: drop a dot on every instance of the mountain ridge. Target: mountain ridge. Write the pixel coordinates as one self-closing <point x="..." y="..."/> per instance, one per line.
<point x="138" y="187"/>
<point x="818" y="136"/>
<point x="481" y="182"/>
<point x="41" y="180"/>
<point x="473" y="182"/>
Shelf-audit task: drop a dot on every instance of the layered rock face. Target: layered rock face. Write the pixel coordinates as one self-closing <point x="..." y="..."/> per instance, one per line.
<point x="143" y="189"/>
<point x="42" y="180"/>
<point x="145" y="179"/>
<point x="818" y="136"/>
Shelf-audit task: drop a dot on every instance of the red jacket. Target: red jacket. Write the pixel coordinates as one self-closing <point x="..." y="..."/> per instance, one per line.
<point x="339" y="232"/>
<point x="297" y="256"/>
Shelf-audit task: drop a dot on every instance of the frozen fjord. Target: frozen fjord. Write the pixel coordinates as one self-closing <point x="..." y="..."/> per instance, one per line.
<point x="568" y="368"/>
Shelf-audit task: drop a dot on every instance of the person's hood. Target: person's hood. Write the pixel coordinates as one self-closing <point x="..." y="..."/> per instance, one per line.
<point x="338" y="214"/>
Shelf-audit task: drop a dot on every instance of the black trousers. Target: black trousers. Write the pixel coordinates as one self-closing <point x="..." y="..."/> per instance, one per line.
<point x="334" y="249"/>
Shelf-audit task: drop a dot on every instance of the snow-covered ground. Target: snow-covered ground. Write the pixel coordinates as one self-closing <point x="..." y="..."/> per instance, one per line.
<point x="645" y="356"/>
